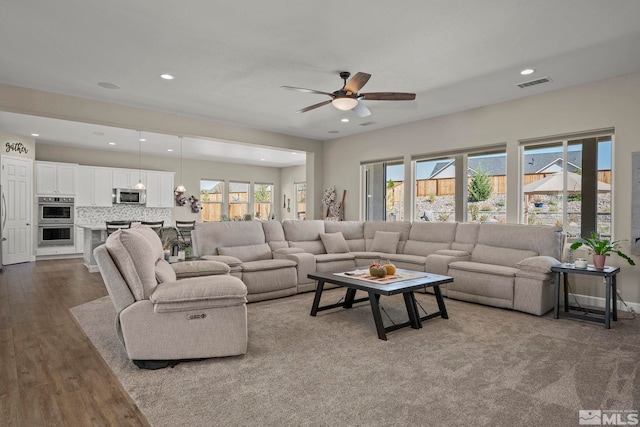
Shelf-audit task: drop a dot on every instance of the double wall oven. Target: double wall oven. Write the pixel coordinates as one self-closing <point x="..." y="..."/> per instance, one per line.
<point x="55" y="221"/>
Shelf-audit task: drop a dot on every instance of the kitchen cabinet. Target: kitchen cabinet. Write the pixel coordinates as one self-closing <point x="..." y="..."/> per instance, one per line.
<point x="94" y="186"/>
<point x="127" y="178"/>
<point x="55" y="179"/>
<point x="159" y="189"/>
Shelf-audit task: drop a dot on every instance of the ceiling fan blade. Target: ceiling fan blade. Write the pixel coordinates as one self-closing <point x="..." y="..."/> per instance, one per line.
<point x="388" y="96"/>
<point x="356" y="82"/>
<point x="314" y="106"/>
<point x="361" y="110"/>
<point x="301" y="89"/>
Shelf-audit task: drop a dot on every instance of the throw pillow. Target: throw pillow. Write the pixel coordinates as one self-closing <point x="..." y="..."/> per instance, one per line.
<point x="164" y="272"/>
<point x="334" y="243"/>
<point x="386" y="242"/>
<point x="539" y="264"/>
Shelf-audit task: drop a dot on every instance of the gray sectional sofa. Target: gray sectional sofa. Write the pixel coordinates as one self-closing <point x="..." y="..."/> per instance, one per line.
<point x="503" y="265"/>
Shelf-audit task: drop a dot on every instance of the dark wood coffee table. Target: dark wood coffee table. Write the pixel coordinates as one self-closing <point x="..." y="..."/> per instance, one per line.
<point x="404" y="287"/>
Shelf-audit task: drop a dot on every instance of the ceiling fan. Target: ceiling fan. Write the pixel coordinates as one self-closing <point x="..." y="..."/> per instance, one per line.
<point x="348" y="98"/>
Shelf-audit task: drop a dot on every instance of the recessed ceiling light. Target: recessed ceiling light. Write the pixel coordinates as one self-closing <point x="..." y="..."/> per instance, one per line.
<point x="334" y="131"/>
<point x="108" y="85"/>
<point x="169" y="149"/>
<point x="345" y="120"/>
<point x="527" y="71"/>
<point x="35" y="134"/>
<point x="293" y="153"/>
<point x="167" y="76"/>
<point x="142" y="140"/>
<point x="112" y="143"/>
<point x="262" y="160"/>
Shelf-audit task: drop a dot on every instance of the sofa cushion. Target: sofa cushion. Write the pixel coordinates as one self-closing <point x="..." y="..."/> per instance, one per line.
<point x="297" y="231"/>
<point x="385" y="241"/>
<point x="199" y="268"/>
<point x="404" y="258"/>
<point x="198" y="289"/>
<point x="334" y="243"/>
<point x="477" y="267"/>
<point x="499" y="255"/>
<point x="164" y="272"/>
<point x="538" y="264"/>
<point x="311" y="246"/>
<point x="209" y="236"/>
<point x="247" y="253"/>
<point x="441" y="232"/>
<point x="334" y="257"/>
<point x="420" y="248"/>
<point x="231" y="261"/>
<point x="267" y="264"/>
<point x="136" y="260"/>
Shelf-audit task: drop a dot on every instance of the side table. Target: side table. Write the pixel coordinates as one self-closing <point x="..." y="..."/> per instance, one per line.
<point x="609" y="274"/>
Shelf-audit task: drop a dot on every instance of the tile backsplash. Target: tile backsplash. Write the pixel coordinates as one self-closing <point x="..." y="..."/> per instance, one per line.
<point x="91" y="215"/>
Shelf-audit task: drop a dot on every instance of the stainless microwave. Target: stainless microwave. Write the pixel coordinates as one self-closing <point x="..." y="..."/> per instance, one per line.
<point x="127" y="196"/>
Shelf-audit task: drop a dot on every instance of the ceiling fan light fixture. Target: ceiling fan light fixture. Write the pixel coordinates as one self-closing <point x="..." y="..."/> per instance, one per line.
<point x="344" y="103"/>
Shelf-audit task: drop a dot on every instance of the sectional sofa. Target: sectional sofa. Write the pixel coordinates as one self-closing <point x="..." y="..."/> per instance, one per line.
<point x="502" y="265"/>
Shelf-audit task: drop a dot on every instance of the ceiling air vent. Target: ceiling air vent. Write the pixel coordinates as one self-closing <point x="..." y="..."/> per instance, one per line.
<point x="367" y="123"/>
<point x="534" y="82"/>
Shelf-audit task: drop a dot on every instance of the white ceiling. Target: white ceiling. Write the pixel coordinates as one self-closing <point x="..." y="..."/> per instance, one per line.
<point x="230" y="58"/>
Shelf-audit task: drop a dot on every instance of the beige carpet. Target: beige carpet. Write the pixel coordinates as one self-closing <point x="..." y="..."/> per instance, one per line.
<point x="482" y="367"/>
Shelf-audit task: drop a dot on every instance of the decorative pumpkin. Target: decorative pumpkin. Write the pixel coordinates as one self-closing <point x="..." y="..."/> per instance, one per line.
<point x="377" y="270"/>
<point x="391" y="269"/>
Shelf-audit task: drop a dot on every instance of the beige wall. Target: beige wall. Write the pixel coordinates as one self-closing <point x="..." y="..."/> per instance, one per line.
<point x="46" y="104"/>
<point x="192" y="170"/>
<point x="605" y="104"/>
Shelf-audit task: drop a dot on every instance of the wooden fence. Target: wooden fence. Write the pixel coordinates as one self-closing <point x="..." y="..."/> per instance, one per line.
<point x="447" y="186"/>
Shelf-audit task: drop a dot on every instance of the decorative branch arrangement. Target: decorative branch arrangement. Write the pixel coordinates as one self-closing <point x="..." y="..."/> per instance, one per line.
<point x="335" y="209"/>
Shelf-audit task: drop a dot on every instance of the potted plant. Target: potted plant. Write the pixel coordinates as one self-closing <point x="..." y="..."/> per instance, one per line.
<point x="601" y="248"/>
<point x="537" y="202"/>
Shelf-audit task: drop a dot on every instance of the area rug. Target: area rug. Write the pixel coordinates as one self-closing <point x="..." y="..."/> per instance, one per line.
<point x="483" y="366"/>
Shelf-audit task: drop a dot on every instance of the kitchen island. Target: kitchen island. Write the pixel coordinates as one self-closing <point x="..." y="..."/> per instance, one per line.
<point x="94" y="236"/>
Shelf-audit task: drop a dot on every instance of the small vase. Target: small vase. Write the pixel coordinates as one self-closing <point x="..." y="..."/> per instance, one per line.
<point x="598" y="261"/>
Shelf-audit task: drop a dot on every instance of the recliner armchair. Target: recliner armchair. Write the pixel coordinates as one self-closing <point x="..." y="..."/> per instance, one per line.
<point x="160" y="318"/>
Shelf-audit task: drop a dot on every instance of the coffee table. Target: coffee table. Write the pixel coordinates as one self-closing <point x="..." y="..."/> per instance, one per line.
<point x="418" y="280"/>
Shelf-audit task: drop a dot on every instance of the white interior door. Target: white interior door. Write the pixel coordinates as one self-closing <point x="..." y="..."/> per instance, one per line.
<point x="17" y="186"/>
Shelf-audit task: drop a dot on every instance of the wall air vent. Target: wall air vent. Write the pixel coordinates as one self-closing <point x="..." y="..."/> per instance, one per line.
<point x="534" y="82"/>
<point x="367" y="123"/>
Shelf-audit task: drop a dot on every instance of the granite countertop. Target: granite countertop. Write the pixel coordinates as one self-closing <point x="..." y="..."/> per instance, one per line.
<point x="102" y="225"/>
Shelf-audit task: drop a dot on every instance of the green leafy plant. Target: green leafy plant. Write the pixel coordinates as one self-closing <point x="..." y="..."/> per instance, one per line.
<point x="480" y="186"/>
<point x="601" y="246"/>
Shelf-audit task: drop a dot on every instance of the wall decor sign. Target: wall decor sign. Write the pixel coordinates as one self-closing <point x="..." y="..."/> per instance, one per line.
<point x="17" y="147"/>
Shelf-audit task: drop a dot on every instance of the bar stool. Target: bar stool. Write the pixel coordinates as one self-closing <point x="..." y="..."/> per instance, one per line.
<point x="113" y="226"/>
<point x="156" y="226"/>
<point x="184" y="232"/>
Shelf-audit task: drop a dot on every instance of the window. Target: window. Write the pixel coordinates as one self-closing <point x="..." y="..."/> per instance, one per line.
<point x="239" y="201"/>
<point x="467" y="186"/>
<point x="487" y="187"/>
<point x="435" y="190"/>
<point x="262" y="201"/>
<point x="211" y="200"/>
<point x="384" y="191"/>
<point x="301" y="200"/>
<point x="568" y="183"/>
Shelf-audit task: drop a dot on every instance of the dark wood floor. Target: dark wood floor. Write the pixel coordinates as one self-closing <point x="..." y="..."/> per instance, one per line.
<point x="50" y="374"/>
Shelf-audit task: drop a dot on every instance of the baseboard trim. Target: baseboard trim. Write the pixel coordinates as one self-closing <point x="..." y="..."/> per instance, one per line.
<point x="598" y="302"/>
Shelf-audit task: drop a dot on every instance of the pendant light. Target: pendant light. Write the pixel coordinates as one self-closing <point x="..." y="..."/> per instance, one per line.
<point x="180" y="188"/>
<point x="140" y="185"/>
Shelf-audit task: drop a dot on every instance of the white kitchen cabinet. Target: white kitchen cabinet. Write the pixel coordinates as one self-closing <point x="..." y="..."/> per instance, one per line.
<point x="159" y="189"/>
<point x="56" y="178"/>
<point x="94" y="186"/>
<point x="127" y="178"/>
